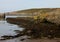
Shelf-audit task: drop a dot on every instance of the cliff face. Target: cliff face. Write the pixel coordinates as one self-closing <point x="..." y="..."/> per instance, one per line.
<point x="51" y="14"/>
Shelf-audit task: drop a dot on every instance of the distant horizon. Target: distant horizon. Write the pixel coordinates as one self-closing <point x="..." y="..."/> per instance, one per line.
<point x="15" y="5"/>
<point x="23" y="9"/>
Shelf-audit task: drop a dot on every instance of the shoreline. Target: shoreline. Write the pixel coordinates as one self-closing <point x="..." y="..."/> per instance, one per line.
<point x="31" y="40"/>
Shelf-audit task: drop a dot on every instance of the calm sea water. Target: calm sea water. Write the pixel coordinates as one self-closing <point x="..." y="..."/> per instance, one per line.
<point x="8" y="29"/>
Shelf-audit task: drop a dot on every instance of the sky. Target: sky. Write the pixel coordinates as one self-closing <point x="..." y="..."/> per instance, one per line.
<point x="14" y="5"/>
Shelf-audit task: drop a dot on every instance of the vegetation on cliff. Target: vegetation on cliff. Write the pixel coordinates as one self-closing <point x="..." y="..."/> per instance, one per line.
<point x="37" y="28"/>
<point x="51" y="14"/>
<point x="42" y="23"/>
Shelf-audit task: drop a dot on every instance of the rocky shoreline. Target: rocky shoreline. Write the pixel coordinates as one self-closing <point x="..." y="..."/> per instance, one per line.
<point x="37" y="28"/>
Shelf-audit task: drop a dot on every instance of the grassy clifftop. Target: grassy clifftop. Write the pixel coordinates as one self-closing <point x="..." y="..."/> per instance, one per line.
<point x="51" y="14"/>
<point x="36" y="10"/>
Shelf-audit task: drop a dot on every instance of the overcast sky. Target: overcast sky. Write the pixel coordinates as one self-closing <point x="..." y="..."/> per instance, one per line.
<point x="13" y="5"/>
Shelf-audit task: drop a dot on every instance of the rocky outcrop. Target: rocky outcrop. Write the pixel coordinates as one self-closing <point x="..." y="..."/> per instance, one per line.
<point x="53" y="14"/>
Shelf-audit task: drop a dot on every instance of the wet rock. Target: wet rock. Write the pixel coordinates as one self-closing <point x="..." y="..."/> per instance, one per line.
<point x="22" y="39"/>
<point x="7" y="37"/>
<point x="2" y="39"/>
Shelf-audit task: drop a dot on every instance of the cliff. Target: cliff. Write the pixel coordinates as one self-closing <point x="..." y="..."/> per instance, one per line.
<point x="51" y="14"/>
